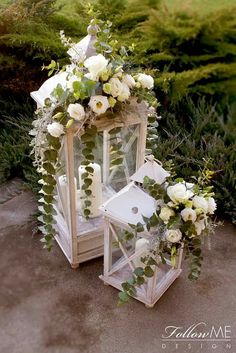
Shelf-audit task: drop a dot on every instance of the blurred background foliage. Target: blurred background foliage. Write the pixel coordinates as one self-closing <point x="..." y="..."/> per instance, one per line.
<point x="190" y="47"/>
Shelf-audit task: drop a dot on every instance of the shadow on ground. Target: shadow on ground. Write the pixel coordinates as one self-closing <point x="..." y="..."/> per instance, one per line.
<point x="45" y="306"/>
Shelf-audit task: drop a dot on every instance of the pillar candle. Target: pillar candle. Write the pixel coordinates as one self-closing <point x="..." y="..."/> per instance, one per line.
<point x="95" y="187"/>
<point x="143" y="244"/>
<point x="64" y="190"/>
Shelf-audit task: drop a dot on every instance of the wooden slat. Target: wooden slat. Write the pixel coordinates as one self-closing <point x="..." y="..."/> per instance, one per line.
<point x="69" y="154"/>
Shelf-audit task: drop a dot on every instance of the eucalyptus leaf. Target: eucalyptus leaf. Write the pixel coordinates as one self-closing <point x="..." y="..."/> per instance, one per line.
<point x="148" y="271"/>
<point x="49" y="167"/>
<point x="50" y="155"/>
<point x="123" y="296"/>
<point x="139" y="271"/>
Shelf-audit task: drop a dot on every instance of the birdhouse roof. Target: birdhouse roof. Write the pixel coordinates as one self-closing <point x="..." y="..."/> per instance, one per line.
<point x="152" y="169"/>
<point x="129" y="205"/>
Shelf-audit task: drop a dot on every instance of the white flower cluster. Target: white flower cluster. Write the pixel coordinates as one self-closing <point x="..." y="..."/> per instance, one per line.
<point x="114" y="85"/>
<point x="197" y="209"/>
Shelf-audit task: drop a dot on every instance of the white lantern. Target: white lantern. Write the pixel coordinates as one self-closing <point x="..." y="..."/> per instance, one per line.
<point x="82" y="239"/>
<point x="128" y="207"/>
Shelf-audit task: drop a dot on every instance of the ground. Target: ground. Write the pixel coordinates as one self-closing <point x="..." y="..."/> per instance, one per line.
<point x="45" y="306"/>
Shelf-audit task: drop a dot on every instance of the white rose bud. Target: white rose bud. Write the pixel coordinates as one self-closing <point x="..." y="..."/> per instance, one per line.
<point x="201" y="203"/>
<point x="104" y="75"/>
<point x="179" y="193"/>
<point x="55" y="129"/>
<point x="116" y="87"/>
<point x="200" y="226"/>
<point x="128" y="80"/>
<point x="188" y="214"/>
<point x="166" y="213"/>
<point x="173" y="235"/>
<point x="112" y="101"/>
<point x="125" y="94"/>
<point x="211" y="205"/>
<point x="96" y="65"/>
<point x="146" y="81"/>
<point x="107" y="88"/>
<point x="99" y="104"/>
<point x="76" y="111"/>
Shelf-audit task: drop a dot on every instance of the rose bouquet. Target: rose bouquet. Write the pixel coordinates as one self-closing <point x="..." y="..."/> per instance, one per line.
<point x="182" y="219"/>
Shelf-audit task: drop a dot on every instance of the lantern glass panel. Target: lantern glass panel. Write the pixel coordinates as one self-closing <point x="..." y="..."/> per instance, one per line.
<point x="62" y="203"/>
<point x="78" y="156"/>
<point x="119" y="175"/>
<point x="63" y="187"/>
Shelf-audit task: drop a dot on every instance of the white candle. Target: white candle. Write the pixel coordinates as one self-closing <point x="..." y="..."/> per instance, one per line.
<point x="63" y="194"/>
<point x="143" y="244"/>
<point x="95" y="187"/>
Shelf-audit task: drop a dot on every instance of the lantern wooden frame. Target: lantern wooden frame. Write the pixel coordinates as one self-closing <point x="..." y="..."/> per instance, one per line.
<point x="117" y="221"/>
<point x="114" y="275"/>
<point x="82" y="242"/>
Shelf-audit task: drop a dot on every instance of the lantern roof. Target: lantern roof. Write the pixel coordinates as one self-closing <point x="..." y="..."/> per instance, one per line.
<point x="129" y="205"/>
<point x="83" y="49"/>
<point x="132" y="203"/>
<point x="153" y="169"/>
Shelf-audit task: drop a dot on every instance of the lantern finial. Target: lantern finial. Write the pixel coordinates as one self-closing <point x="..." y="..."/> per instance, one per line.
<point x="86" y="45"/>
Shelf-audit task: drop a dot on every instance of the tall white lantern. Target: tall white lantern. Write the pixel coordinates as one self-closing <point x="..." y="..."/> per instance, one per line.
<point x="81" y="239"/>
<point x="128" y="207"/>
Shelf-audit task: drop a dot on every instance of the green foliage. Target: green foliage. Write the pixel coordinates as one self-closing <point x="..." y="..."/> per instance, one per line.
<point x="29" y="38"/>
<point x="192" y="132"/>
<point x="195" y="52"/>
<point x="14" y="144"/>
<point x="88" y="139"/>
<point x="23" y="9"/>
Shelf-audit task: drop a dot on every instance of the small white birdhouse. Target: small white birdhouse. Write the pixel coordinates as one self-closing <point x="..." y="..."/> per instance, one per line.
<point x="128" y="207"/>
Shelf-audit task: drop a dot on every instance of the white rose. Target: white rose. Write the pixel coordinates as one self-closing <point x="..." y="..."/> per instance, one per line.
<point x="188" y="214"/>
<point x="76" y="111"/>
<point x="211" y="205"/>
<point x="90" y="76"/>
<point x="166" y="213"/>
<point x="96" y="65"/>
<point x="128" y="80"/>
<point x="99" y="104"/>
<point x="55" y="129"/>
<point x="146" y="81"/>
<point x="200" y="226"/>
<point x="116" y="87"/>
<point x="179" y="193"/>
<point x="200" y="202"/>
<point x="173" y="235"/>
<point x="125" y="94"/>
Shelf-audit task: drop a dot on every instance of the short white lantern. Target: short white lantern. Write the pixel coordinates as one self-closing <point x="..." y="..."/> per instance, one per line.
<point x="128" y="207"/>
